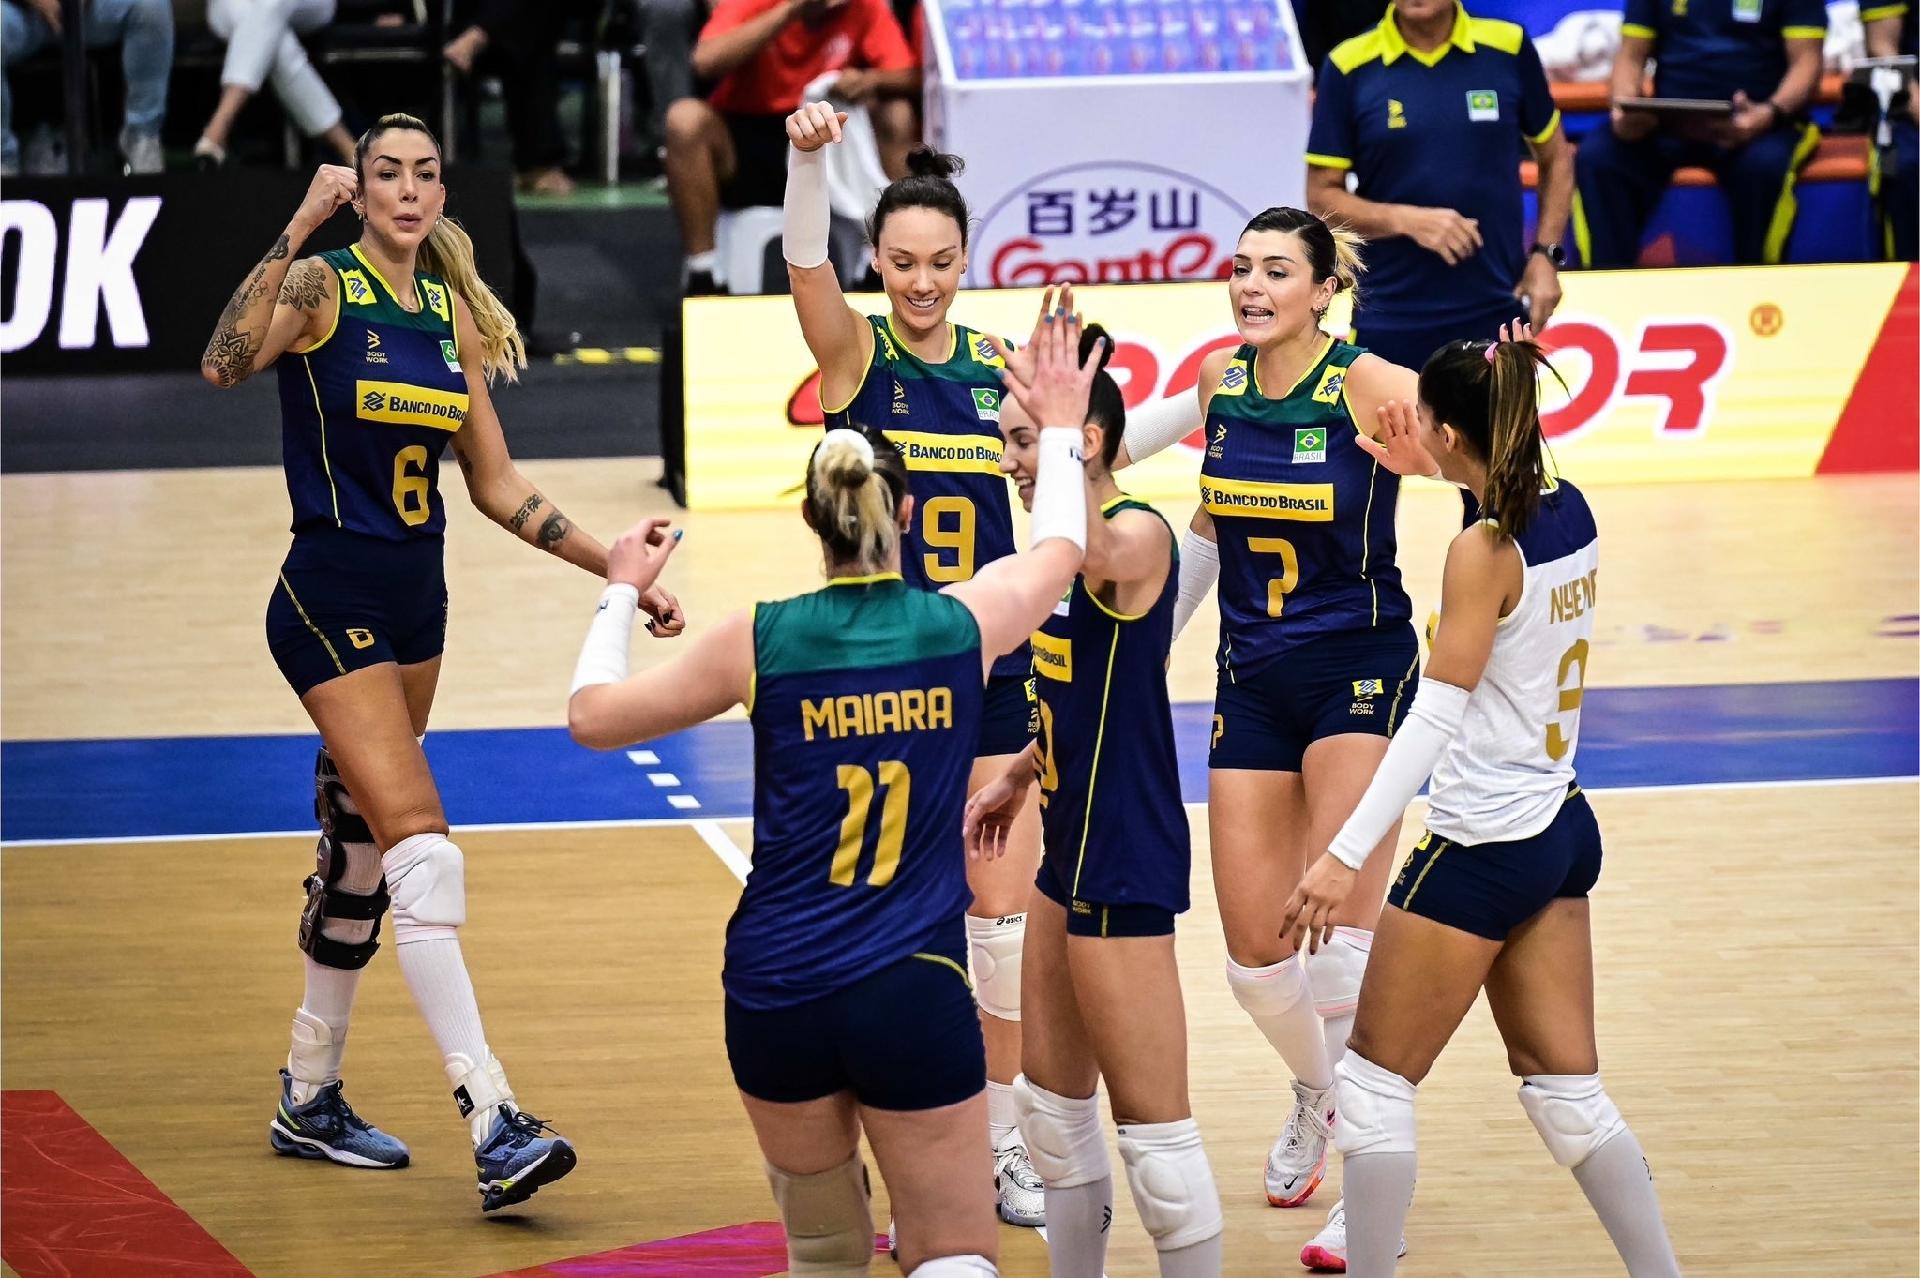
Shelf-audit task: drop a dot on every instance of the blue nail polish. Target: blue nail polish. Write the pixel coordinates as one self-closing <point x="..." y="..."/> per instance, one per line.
<point x="678" y="533"/>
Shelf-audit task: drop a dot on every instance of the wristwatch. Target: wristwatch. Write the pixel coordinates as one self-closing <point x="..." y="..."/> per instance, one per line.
<point x="1555" y="254"/>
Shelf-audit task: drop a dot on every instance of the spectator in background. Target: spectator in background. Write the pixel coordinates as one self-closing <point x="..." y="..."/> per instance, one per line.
<point x="1763" y="56"/>
<point x="672" y="27"/>
<point x="144" y="31"/>
<point x="1429" y="112"/>
<point x="1890" y="33"/>
<point x="1325" y="23"/>
<point x="730" y="150"/>
<point x="521" y="39"/>
<point x="261" y="42"/>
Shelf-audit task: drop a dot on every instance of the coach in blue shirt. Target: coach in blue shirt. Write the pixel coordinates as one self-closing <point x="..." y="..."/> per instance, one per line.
<point x="1427" y="112"/>
<point x="1763" y="56"/>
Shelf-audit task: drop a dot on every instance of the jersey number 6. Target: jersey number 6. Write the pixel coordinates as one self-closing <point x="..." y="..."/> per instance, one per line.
<point x="1278" y="587"/>
<point x="410" y="488"/>
<point x="858" y="783"/>
<point x="946" y="523"/>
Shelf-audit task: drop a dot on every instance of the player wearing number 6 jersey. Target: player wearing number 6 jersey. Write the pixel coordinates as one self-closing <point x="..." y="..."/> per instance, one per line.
<point x="847" y="1003"/>
<point x="1495" y="894"/>
<point x="384" y="351"/>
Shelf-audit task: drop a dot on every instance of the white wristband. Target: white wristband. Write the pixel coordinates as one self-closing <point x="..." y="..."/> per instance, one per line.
<point x="1199" y="569"/>
<point x="1059" y="489"/>
<point x="1438" y="709"/>
<point x="1160" y="424"/>
<point x="808" y="215"/>
<point x="603" y="657"/>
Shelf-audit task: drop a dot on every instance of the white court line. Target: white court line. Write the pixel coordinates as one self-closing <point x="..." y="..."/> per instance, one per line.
<point x="643" y="758"/>
<point x="724" y="847"/>
<point x="639" y="823"/>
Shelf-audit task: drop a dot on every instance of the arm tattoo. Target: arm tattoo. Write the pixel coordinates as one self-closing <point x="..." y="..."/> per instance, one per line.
<point x="305" y="287"/>
<point x="230" y="352"/>
<point x="522" y="515"/>
<point x="554" y="531"/>
<point x="466" y="463"/>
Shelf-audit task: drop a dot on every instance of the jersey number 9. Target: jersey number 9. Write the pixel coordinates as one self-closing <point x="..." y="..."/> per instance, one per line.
<point x="1278" y="587"/>
<point x="411" y="492"/>
<point x="946" y="524"/>
<point x="1049" y="767"/>
<point x="859" y="785"/>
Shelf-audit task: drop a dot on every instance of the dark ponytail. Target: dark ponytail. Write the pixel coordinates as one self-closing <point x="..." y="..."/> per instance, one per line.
<point x="927" y="185"/>
<point x="1490" y="393"/>
<point x="1333" y="251"/>
<point x="1106" y="407"/>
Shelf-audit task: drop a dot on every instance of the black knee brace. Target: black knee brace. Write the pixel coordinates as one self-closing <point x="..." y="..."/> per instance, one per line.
<point x="325" y="900"/>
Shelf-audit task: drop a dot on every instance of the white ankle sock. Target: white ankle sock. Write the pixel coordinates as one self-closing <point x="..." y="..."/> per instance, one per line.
<point x="437" y="975"/>
<point x="1281" y="1004"/>
<point x="1003" y="1115"/>
<point x="1619" y="1184"/>
<point x="702" y="262"/>
<point x="320" y="1028"/>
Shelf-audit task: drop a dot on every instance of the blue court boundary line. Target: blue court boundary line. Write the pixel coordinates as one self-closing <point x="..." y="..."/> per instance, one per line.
<point x="200" y="787"/>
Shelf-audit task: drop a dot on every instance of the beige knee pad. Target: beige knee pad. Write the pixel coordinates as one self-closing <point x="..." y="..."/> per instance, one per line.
<point x="828" y="1219"/>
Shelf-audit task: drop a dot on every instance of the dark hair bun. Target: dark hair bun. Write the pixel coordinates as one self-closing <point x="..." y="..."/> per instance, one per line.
<point x="1091" y="334"/>
<point x="924" y="161"/>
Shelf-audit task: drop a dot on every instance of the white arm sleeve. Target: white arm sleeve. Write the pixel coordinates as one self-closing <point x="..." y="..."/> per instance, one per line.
<point x="1438" y="709"/>
<point x="1059" y="489"/>
<point x="1160" y="424"/>
<point x="1199" y="569"/>
<point x="603" y="658"/>
<point x="809" y="216"/>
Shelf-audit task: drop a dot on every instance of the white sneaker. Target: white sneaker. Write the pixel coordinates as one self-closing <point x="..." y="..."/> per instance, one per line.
<point x="1326" y="1252"/>
<point x="1298" y="1159"/>
<point x="142" y="151"/>
<point x="1023" y="1198"/>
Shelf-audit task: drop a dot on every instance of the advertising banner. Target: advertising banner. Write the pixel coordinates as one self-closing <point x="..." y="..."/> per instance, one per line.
<point x="1741" y="373"/>
<point x="117" y="275"/>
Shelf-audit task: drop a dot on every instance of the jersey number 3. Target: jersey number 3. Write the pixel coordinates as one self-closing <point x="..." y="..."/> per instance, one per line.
<point x="859" y="785"/>
<point x="410" y="487"/>
<point x="1570" y="698"/>
<point x="946" y="525"/>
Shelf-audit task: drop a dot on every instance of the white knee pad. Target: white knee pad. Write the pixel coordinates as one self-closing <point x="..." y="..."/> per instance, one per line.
<point x="1172" y="1183"/>
<point x="956" y="1267"/>
<point x="1273" y="990"/>
<point x="1375" y="1108"/>
<point x="828" y="1219"/>
<point x="1573" y="1114"/>
<point x="1063" y="1135"/>
<point x="426" y="876"/>
<point x="994" y="947"/>
<point x="1336" y="970"/>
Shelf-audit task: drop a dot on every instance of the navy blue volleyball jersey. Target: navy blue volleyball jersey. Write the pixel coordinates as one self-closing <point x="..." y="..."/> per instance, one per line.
<point x="365" y="415"/>
<point x="865" y="709"/>
<point x="1303" y="514"/>
<point x="945" y="420"/>
<point x="1110" y="810"/>
<point x="1715" y="48"/>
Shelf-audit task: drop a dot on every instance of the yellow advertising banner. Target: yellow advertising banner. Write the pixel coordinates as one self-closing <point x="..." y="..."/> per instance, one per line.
<point x="1737" y="373"/>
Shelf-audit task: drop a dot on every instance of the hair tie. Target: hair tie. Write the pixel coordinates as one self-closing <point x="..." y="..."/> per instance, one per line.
<point x="861" y="445"/>
<point x="1491" y="348"/>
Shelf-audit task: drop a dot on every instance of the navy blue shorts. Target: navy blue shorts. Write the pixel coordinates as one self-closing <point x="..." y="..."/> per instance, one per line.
<point x="344" y="601"/>
<point x="1009" y="717"/>
<point x="1096" y="918"/>
<point x="1361" y="681"/>
<point x="1489" y="889"/>
<point x="906" y="1037"/>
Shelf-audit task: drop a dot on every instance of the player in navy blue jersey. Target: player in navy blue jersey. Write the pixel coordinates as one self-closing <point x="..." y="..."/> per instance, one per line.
<point x="934" y="387"/>
<point x="384" y="352"/>
<point x="1318" y="659"/>
<point x="847" y="1004"/>
<point x="1102" y="987"/>
<point x="1495" y="895"/>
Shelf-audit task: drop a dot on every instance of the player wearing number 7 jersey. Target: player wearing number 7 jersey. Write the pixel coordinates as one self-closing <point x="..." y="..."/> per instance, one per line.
<point x="1495" y="895"/>
<point x="847" y="1002"/>
<point x="384" y="352"/>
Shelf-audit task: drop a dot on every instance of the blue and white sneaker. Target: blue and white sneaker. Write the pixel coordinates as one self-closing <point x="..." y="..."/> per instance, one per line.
<point x="326" y="1127"/>
<point x="515" y="1159"/>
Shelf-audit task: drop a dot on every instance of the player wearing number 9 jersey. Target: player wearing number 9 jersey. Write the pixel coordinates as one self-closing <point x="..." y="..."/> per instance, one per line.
<point x="1495" y="895"/>
<point x="934" y="387"/>
<point x="384" y="352"/>
<point x="847" y="1003"/>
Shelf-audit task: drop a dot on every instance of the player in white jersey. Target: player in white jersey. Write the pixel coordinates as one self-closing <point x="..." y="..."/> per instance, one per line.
<point x="1495" y="894"/>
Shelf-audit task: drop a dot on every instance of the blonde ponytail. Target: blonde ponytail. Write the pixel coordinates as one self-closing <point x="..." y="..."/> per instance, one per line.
<point x="853" y="492"/>
<point x="448" y="254"/>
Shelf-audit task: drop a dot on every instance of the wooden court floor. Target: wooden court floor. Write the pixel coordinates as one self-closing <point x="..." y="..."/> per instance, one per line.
<point x="1759" y="1018"/>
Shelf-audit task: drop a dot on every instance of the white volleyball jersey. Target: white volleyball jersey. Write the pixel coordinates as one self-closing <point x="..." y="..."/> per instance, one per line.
<point x="1506" y="772"/>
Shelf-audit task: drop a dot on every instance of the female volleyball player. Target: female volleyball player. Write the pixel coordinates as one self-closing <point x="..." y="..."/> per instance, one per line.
<point x="1495" y="894"/>
<point x="846" y="998"/>
<point x="389" y="346"/>
<point x="1318" y="658"/>
<point x="934" y="386"/>
<point x="1103" y="989"/>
